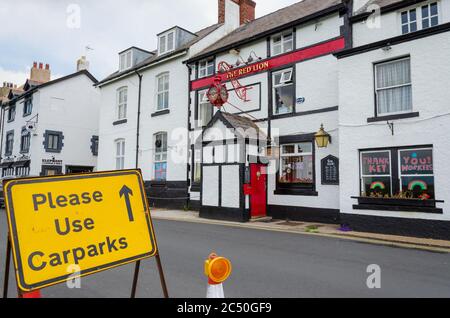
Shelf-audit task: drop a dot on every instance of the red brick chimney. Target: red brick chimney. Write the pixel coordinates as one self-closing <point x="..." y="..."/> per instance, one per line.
<point x="246" y="10"/>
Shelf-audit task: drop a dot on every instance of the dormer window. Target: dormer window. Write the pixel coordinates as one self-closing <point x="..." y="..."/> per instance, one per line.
<point x="126" y="60"/>
<point x="167" y="42"/>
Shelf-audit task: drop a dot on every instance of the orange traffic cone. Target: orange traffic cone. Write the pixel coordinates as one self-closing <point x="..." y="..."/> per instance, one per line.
<point x="217" y="269"/>
<point x="34" y="294"/>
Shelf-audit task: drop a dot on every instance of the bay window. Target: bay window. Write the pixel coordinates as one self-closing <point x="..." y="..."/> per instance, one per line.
<point x="160" y="156"/>
<point x="283" y="91"/>
<point x="393" y="87"/>
<point x="205" y="110"/>
<point x="162" y="94"/>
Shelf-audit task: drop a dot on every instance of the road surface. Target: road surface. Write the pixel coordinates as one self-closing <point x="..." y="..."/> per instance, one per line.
<point x="266" y="264"/>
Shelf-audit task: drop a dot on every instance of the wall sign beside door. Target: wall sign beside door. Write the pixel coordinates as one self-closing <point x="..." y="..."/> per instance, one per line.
<point x="330" y="170"/>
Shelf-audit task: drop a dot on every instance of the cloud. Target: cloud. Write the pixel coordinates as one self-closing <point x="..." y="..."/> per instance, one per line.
<point x="57" y="32"/>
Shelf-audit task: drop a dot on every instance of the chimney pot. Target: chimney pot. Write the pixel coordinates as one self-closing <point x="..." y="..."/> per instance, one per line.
<point x="47" y="66"/>
<point x="41" y="65"/>
<point x="35" y="64"/>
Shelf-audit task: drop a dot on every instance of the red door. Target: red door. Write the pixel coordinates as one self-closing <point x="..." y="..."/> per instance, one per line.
<point x="258" y="195"/>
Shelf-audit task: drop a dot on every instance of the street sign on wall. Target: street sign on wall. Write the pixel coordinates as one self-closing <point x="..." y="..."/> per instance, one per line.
<point x="80" y="224"/>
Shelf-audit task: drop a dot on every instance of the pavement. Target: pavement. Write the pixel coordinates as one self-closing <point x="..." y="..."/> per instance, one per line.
<point x="266" y="264"/>
<point x="305" y="228"/>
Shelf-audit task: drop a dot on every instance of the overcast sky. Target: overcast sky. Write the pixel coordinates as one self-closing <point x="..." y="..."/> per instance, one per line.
<point x="49" y="31"/>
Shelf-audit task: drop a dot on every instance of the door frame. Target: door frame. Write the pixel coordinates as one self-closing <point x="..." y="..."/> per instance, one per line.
<point x="267" y="188"/>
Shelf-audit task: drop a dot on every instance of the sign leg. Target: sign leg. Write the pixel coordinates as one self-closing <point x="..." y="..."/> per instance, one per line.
<point x="161" y="276"/>
<point x="8" y="262"/>
<point x="135" y="279"/>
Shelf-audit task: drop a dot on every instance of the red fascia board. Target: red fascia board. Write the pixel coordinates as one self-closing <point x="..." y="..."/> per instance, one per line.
<point x="279" y="61"/>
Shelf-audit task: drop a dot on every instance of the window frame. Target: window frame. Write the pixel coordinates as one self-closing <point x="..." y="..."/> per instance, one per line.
<point x="163" y="42"/>
<point x="395" y="165"/>
<point x="198" y="124"/>
<point x="206" y="68"/>
<point x="11" y="113"/>
<point x="119" y="149"/>
<point x="391" y="169"/>
<point x="283" y="83"/>
<point x="121" y="105"/>
<point x="22" y="143"/>
<point x="419" y="16"/>
<point x="282" y="42"/>
<point x="297" y="189"/>
<point x="376" y="89"/>
<point x="163" y="92"/>
<point x="401" y="175"/>
<point x="9" y="144"/>
<point x="161" y="154"/>
<point x="27" y="107"/>
<point x="430" y="16"/>
<point x="50" y="136"/>
<point x="126" y="60"/>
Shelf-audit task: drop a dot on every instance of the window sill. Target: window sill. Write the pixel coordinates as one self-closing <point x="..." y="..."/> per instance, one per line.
<point x="299" y="192"/>
<point x="392" y="117"/>
<point x="398" y="205"/>
<point x="120" y="122"/>
<point x="284" y="115"/>
<point x="52" y="151"/>
<point x="10" y="121"/>
<point x="26" y="115"/>
<point x="161" y="113"/>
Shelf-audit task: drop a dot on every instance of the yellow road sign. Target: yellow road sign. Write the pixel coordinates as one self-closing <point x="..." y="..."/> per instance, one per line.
<point x="71" y="226"/>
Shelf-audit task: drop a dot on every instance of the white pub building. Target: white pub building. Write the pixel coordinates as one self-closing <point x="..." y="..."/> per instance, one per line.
<point x="369" y="77"/>
<point x="50" y="127"/>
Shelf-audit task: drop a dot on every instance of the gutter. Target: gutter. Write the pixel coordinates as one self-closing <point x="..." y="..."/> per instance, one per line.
<point x="138" y="118"/>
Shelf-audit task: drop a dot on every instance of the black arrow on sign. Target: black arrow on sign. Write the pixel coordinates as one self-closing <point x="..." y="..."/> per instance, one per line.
<point x="126" y="192"/>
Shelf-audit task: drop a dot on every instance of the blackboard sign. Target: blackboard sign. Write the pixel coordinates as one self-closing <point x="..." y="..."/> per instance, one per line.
<point x="330" y="171"/>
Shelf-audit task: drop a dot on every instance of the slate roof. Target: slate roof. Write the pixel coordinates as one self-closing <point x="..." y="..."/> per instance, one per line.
<point x="241" y="124"/>
<point x="155" y="58"/>
<point x="276" y="20"/>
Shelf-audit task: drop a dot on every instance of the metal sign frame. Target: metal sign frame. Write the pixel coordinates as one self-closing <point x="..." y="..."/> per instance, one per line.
<point x="13" y="247"/>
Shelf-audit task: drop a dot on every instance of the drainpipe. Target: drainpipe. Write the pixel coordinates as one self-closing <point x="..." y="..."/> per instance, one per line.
<point x="2" y="125"/>
<point x="138" y="263"/>
<point x="138" y="118"/>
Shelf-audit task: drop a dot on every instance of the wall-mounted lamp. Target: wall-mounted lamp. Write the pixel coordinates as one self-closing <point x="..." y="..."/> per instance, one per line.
<point x="387" y="48"/>
<point x="240" y="61"/>
<point x="251" y="59"/>
<point x="322" y="138"/>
